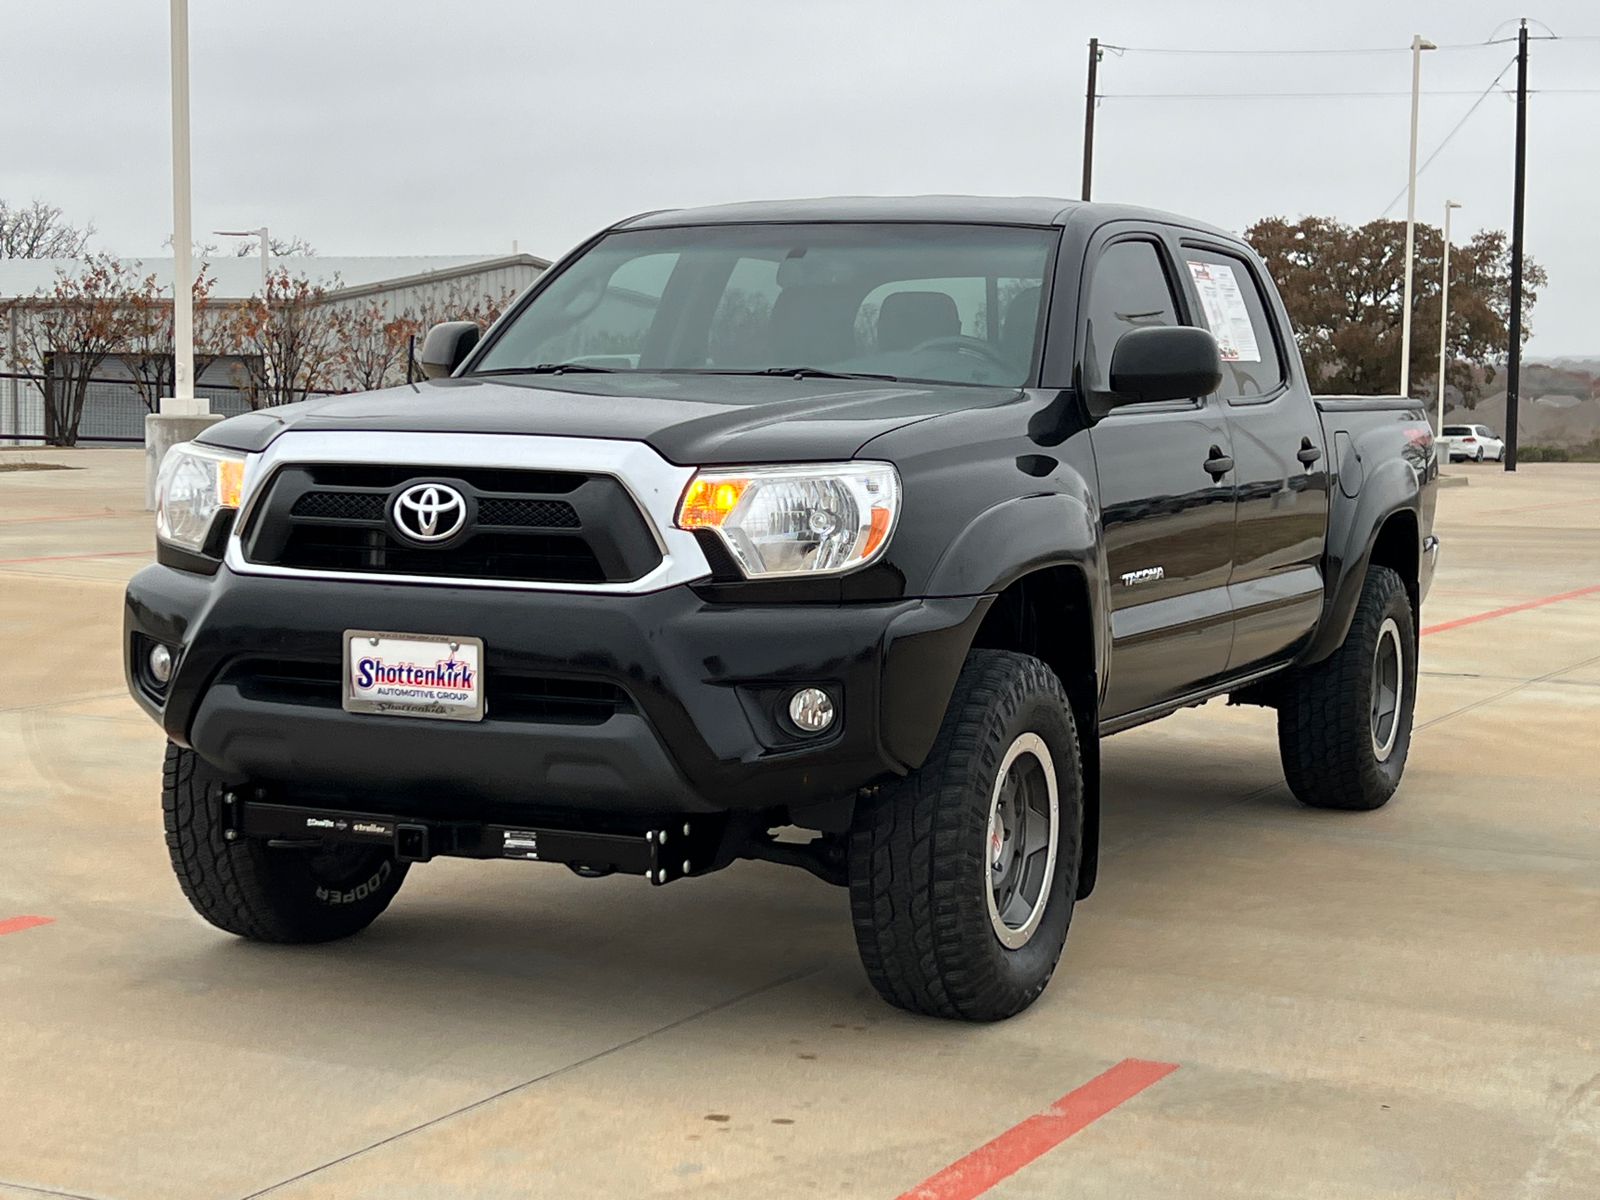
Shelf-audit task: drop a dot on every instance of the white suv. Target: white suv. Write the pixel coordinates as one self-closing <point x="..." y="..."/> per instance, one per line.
<point x="1476" y="442"/>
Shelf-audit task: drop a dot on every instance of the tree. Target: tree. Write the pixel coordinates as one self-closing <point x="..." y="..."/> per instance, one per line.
<point x="276" y="247"/>
<point x="288" y="339"/>
<point x="372" y="347"/>
<point x="147" y="352"/>
<point x="38" y="231"/>
<point x="64" y="335"/>
<point x="1344" y="289"/>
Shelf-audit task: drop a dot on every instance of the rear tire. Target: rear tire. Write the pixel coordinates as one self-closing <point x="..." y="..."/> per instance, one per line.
<point x="1344" y="725"/>
<point x="963" y="873"/>
<point x="1480" y="454"/>
<point x="258" y="892"/>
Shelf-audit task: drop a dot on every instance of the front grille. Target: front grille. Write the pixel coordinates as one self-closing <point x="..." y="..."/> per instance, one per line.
<point x="526" y="526"/>
<point x="484" y="556"/>
<point x="527" y="514"/>
<point x="507" y="696"/>
<point x="339" y="506"/>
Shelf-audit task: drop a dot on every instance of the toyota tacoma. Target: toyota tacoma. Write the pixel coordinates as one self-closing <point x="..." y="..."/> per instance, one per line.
<point x="862" y="518"/>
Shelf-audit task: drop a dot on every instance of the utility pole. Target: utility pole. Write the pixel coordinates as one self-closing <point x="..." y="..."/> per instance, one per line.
<point x="1088" y="117"/>
<point x="1514" y="356"/>
<point x="1444" y="314"/>
<point x="1418" y="45"/>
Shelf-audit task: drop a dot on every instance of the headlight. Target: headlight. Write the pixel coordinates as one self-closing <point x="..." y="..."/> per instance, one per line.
<point x="195" y="484"/>
<point x="805" y="520"/>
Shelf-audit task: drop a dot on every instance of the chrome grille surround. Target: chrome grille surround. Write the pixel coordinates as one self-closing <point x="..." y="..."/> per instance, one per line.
<point x="654" y="484"/>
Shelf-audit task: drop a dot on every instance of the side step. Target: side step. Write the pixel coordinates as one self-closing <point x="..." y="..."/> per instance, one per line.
<point x="661" y="855"/>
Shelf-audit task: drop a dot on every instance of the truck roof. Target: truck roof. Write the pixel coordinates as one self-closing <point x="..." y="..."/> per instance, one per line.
<point x="977" y="210"/>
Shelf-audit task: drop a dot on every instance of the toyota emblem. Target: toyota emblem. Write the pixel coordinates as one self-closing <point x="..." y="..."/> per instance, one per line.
<point x="429" y="512"/>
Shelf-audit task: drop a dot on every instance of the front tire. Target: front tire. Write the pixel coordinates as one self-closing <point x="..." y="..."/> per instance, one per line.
<point x="1344" y="725"/>
<point x="259" y="892"/>
<point x="963" y="874"/>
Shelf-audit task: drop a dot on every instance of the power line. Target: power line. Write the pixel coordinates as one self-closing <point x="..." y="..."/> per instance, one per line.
<point x="1325" y="95"/>
<point x="1273" y="95"/>
<point x="1495" y="83"/>
<point x="1338" y="49"/>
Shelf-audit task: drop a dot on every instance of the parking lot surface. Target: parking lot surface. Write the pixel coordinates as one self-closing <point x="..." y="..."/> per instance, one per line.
<point x="1392" y="1004"/>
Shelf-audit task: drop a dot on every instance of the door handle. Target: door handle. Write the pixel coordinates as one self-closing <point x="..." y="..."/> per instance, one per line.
<point x="1308" y="453"/>
<point x="1219" y="464"/>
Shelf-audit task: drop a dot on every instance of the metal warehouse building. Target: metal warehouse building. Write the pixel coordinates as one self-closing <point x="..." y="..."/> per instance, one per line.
<point x="114" y="411"/>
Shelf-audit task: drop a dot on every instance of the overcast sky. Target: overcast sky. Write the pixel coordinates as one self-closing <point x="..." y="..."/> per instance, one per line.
<point x="409" y="127"/>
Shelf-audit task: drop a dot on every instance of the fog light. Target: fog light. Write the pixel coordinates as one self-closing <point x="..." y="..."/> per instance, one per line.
<point x="160" y="663"/>
<point x="811" y="710"/>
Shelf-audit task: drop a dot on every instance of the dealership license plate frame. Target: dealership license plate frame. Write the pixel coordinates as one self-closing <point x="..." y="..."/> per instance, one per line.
<point x="355" y="703"/>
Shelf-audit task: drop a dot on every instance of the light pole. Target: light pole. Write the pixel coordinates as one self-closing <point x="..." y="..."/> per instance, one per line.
<point x="183" y="414"/>
<point x="1444" y="312"/>
<point x="265" y="247"/>
<point x="183" y="401"/>
<point x="1418" y="45"/>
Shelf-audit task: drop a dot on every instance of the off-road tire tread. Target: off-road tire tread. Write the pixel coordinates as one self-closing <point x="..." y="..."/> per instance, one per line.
<point x="905" y="907"/>
<point x="1324" y="717"/>
<point x="225" y="881"/>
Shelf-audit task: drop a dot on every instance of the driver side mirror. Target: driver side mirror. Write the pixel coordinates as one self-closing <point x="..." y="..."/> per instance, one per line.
<point x="1164" y="362"/>
<point x="446" y="347"/>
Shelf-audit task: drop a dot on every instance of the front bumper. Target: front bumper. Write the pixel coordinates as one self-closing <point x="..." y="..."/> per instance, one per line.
<point x="698" y="728"/>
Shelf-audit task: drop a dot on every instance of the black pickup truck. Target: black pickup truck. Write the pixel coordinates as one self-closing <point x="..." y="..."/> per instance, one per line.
<point x="862" y="517"/>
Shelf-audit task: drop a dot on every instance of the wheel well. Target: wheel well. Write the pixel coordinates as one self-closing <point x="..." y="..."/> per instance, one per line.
<point x="1398" y="547"/>
<point x="1047" y="614"/>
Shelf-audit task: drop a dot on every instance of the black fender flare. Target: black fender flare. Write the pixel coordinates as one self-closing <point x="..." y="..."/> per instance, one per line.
<point x="1003" y="544"/>
<point x="999" y="546"/>
<point x="1389" y="488"/>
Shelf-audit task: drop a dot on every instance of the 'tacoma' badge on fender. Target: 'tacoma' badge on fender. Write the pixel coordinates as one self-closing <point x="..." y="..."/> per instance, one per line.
<point x="1148" y="575"/>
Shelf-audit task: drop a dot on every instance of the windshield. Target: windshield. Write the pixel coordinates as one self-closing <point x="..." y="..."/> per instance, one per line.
<point x="1457" y="431"/>
<point x="938" y="303"/>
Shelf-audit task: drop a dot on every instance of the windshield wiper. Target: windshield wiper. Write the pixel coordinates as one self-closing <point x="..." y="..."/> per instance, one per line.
<point x="793" y="372"/>
<point x="551" y="369"/>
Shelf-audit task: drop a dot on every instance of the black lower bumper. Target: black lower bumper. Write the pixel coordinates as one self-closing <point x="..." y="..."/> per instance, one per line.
<point x="658" y="703"/>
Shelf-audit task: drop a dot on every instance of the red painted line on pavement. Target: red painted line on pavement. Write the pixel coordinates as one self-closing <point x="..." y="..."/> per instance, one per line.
<point x="15" y="924"/>
<point x="1489" y="512"/>
<point x="59" y="557"/>
<point x="1018" y="1146"/>
<point x="109" y="512"/>
<point x="1510" y="608"/>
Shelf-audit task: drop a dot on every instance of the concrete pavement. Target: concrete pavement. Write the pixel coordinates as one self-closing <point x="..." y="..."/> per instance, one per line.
<point x="1394" y="1004"/>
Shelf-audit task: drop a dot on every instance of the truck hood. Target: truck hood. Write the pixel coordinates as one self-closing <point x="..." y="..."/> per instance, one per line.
<point x="687" y="419"/>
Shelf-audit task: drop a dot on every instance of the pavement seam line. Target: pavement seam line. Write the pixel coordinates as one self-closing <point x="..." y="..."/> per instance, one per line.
<point x="22" y="708"/>
<point x="43" y="1191"/>
<point x="64" y="557"/>
<point x="537" y="1079"/>
<point x="1526" y="683"/>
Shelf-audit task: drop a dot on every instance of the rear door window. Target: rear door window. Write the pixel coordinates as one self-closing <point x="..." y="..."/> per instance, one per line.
<point x="1233" y="308"/>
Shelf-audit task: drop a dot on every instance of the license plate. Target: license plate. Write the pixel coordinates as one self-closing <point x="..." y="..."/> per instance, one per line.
<point x="413" y="675"/>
